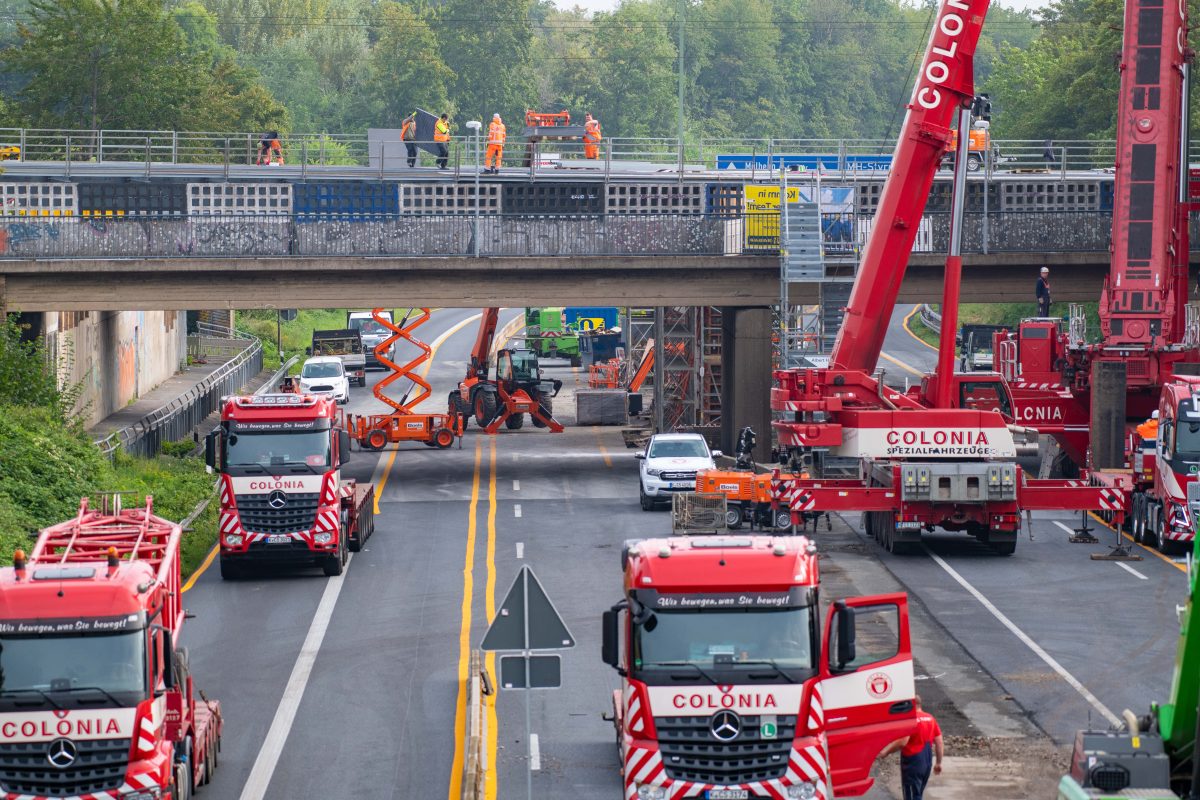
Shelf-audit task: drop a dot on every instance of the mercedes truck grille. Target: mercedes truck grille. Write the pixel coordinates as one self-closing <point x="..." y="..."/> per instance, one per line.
<point x="690" y="751"/>
<point x="298" y="513"/>
<point x="99" y="766"/>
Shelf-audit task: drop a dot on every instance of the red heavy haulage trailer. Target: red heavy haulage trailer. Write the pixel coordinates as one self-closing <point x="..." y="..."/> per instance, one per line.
<point x="283" y="498"/>
<point x="97" y="701"/>
<point x="941" y="454"/>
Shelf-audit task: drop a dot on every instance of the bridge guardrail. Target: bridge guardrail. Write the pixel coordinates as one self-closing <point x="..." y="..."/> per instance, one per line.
<point x="351" y="149"/>
<point x="524" y="235"/>
<point x="930" y="318"/>
<point x="178" y="418"/>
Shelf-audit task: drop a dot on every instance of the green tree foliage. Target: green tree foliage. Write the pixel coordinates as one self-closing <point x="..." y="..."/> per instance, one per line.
<point x="488" y="44"/>
<point x="129" y="64"/>
<point x="405" y="69"/>
<point x="634" y="94"/>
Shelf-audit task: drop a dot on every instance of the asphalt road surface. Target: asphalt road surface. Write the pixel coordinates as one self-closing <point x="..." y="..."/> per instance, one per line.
<point x="351" y="686"/>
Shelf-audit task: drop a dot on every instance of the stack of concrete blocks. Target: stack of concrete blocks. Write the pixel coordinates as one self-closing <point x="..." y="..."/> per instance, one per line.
<point x="601" y="407"/>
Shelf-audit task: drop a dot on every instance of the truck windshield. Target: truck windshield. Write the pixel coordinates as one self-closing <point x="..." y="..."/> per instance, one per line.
<point x="323" y="369"/>
<point x="309" y="448"/>
<point x="1187" y="440"/>
<point x="368" y="327"/>
<point x="70" y="671"/>
<point x="985" y="396"/>
<point x="752" y="642"/>
<point x="524" y="365"/>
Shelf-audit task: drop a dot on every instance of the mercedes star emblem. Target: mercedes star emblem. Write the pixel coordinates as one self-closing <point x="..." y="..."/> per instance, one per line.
<point x="62" y="753"/>
<point x="277" y="499"/>
<point x="725" y="726"/>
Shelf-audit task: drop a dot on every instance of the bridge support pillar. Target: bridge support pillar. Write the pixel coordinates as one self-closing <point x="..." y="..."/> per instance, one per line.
<point x="746" y="377"/>
<point x="3" y="298"/>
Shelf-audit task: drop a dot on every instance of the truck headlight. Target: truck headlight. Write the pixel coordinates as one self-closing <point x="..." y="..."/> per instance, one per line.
<point x="323" y="538"/>
<point x="653" y="471"/>
<point x="152" y="793"/>
<point x="647" y="792"/>
<point x="233" y="539"/>
<point x="802" y="791"/>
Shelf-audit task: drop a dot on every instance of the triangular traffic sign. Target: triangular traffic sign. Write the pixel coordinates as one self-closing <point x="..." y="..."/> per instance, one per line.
<point x="538" y="627"/>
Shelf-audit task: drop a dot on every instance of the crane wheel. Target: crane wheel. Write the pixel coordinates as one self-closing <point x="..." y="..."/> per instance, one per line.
<point x="546" y="406"/>
<point x="443" y="438"/>
<point x="514" y="421"/>
<point x="377" y="439"/>
<point x="486" y="404"/>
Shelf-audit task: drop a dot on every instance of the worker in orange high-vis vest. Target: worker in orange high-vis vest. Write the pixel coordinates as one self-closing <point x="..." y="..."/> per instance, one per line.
<point x="591" y="137"/>
<point x="495" y="145"/>
<point x="408" y="135"/>
<point x="441" y="137"/>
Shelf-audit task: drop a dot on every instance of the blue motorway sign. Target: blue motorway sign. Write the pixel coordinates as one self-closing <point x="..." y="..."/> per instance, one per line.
<point x="857" y="163"/>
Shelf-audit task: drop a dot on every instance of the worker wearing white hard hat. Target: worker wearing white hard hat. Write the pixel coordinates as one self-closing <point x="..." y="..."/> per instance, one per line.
<point x="1042" y="292"/>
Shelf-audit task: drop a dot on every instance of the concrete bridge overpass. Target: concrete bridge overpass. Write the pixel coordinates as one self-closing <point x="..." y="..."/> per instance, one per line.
<point x="72" y="264"/>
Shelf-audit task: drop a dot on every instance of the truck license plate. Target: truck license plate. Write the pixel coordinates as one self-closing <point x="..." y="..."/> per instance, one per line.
<point x="682" y="484"/>
<point x="279" y="538"/>
<point x="910" y="525"/>
<point x="728" y="794"/>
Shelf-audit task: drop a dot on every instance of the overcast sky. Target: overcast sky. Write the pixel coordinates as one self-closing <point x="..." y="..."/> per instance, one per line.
<point x="608" y="5"/>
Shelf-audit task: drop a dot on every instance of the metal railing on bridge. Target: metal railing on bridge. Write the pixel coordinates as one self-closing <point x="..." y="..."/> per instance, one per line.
<point x="524" y="235"/>
<point x="760" y="157"/>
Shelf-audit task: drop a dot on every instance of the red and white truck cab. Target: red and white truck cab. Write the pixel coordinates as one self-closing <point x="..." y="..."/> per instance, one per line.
<point x="732" y="689"/>
<point x="96" y="700"/>
<point x="283" y="500"/>
<point x="1166" y="495"/>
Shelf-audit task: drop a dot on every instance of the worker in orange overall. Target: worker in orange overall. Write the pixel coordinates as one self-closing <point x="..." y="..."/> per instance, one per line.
<point x="495" y="145"/>
<point x="591" y="137"/>
<point x="270" y="151"/>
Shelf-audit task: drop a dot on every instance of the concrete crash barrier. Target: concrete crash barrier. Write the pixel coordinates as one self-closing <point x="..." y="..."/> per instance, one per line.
<point x="601" y="407"/>
<point x="475" y="766"/>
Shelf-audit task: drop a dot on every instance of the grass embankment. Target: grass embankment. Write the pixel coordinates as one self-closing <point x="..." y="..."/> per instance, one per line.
<point x="296" y="335"/>
<point x="1001" y="314"/>
<point x="46" y="466"/>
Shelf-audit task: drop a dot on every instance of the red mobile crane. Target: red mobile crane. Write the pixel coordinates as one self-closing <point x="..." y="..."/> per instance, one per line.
<point x="941" y="454"/>
<point x="375" y="431"/>
<point x="517" y="389"/>
<point x="98" y="701"/>
<point x="1089" y="396"/>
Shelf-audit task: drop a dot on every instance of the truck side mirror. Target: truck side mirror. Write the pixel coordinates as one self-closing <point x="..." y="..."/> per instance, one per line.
<point x="210" y="450"/>
<point x="308" y="351"/>
<point x="639" y="456"/>
<point x="610" y="649"/>
<point x="845" y="634"/>
<point x="343" y="446"/>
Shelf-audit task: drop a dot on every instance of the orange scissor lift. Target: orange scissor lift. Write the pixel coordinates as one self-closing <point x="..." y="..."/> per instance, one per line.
<point x="376" y="431"/>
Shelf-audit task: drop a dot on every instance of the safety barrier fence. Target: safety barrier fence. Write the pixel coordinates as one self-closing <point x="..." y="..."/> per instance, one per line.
<point x="526" y="235"/>
<point x="763" y="155"/>
<point x="475" y="766"/>
<point x="176" y="420"/>
<point x="930" y="318"/>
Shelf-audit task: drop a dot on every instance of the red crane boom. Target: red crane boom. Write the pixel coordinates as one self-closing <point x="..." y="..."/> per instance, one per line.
<point x="946" y="83"/>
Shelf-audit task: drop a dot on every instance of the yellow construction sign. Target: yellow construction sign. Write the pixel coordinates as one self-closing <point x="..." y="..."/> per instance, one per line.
<point x="762" y="214"/>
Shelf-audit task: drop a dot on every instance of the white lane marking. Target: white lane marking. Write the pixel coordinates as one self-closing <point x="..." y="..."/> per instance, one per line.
<point x="535" y="753"/>
<point x="520" y="550"/>
<point x="1030" y="643"/>
<point x="272" y="746"/>
<point x="1070" y="531"/>
<point x="516" y="485"/>
<point x="1128" y="568"/>
<point x="517" y="510"/>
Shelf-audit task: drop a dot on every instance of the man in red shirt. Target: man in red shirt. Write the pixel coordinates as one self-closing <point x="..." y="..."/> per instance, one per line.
<point x="918" y="753"/>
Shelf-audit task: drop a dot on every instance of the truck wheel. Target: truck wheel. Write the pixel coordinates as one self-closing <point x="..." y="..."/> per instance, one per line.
<point x="335" y="564"/>
<point x="1154" y="530"/>
<point x="231" y="571"/>
<point x="377" y="439"/>
<point x="576" y="360"/>
<point x="647" y="500"/>
<point x="515" y="422"/>
<point x="1137" y="521"/>
<point x="783" y="520"/>
<point x="443" y="438"/>
<point x="546" y="405"/>
<point x="485" y="408"/>
<point x="1004" y="548"/>
<point x="733" y="518"/>
<point x="974" y="163"/>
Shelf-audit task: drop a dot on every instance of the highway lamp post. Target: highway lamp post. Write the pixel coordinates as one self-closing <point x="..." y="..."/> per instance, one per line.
<point x="475" y="125"/>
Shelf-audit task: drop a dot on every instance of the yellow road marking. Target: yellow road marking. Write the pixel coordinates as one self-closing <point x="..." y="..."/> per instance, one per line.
<point x="902" y="365"/>
<point x="1149" y="550"/>
<point x="600" y="444"/>
<point x="489" y="783"/>
<point x="908" y="330"/>
<point x="464" y="632"/>
<point x="208" y="560"/>
<point x="383" y="480"/>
